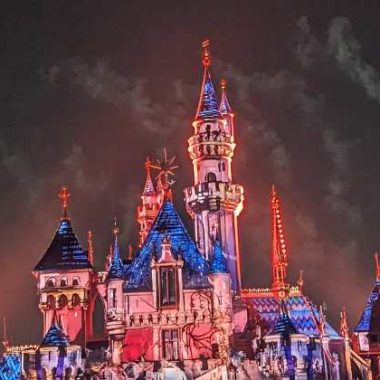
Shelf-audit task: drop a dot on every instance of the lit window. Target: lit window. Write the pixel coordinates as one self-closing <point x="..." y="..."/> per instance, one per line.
<point x="210" y="177"/>
<point x="62" y="301"/>
<point x="64" y="281"/>
<point x="75" y="281"/>
<point x="50" y="283"/>
<point x="170" y="344"/>
<point x="112" y="294"/>
<point x="168" y="289"/>
<point x="75" y="299"/>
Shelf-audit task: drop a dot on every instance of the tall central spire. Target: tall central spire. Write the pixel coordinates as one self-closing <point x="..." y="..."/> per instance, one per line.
<point x="279" y="255"/>
<point x="208" y="104"/>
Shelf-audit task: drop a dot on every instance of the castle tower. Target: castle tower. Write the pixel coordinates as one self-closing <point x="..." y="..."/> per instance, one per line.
<point x="150" y="205"/>
<point x="114" y="323"/>
<point x="65" y="281"/>
<point x="214" y="201"/>
<point x="279" y="255"/>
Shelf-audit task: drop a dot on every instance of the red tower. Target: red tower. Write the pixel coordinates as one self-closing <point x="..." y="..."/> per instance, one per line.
<point x="279" y="255"/>
<point x="65" y="281"/>
<point x="151" y="201"/>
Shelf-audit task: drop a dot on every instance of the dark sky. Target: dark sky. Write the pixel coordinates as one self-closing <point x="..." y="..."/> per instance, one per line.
<point x="88" y="89"/>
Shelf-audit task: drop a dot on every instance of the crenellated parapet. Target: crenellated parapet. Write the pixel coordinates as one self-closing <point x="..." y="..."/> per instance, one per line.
<point x="213" y="141"/>
<point x="214" y="196"/>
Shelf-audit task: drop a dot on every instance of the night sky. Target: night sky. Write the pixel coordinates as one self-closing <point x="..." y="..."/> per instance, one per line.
<point x="88" y="89"/>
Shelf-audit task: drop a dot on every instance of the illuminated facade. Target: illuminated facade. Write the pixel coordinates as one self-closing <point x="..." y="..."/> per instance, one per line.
<point x="177" y="307"/>
<point x="214" y="201"/>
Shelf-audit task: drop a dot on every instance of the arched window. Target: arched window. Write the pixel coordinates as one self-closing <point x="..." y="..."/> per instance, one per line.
<point x="75" y="299"/>
<point x="64" y="281"/>
<point x="50" y="283"/>
<point x="210" y="177"/>
<point x="51" y="302"/>
<point x="62" y="301"/>
<point x="75" y="281"/>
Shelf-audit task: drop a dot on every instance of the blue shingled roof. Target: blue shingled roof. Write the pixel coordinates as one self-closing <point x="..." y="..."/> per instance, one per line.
<point x="370" y="318"/>
<point x="55" y="337"/>
<point x="117" y="267"/>
<point x="218" y="262"/>
<point x="64" y="251"/>
<point x="225" y="107"/>
<point x="10" y="367"/>
<point x="303" y="314"/>
<point x="167" y="225"/>
<point x="284" y="324"/>
<point x="208" y="104"/>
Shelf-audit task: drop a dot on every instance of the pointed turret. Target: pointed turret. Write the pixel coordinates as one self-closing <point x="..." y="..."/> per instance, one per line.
<point x="65" y="251"/>
<point x="150" y="204"/>
<point x="279" y="255"/>
<point x="369" y="322"/>
<point x="117" y="268"/>
<point x="208" y="105"/>
<point x="149" y="189"/>
<point x="224" y="108"/>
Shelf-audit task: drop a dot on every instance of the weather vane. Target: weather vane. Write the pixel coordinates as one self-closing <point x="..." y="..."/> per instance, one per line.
<point x="64" y="195"/>
<point x="165" y="169"/>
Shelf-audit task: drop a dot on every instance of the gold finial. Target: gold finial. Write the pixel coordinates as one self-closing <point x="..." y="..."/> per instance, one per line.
<point x="90" y="247"/>
<point x="130" y="252"/>
<point x="165" y="169"/>
<point x="115" y="228"/>
<point x="300" y="281"/>
<point x="64" y="195"/>
<point x="344" y="329"/>
<point x="206" y="57"/>
<point x="223" y="84"/>
<point x="148" y="163"/>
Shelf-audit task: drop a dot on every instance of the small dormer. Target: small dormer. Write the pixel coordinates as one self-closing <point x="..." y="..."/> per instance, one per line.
<point x="167" y="271"/>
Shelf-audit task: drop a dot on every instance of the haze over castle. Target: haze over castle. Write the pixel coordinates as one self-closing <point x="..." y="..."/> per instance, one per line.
<point x="177" y="307"/>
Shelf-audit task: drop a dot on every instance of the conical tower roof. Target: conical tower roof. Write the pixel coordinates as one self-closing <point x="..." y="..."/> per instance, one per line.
<point x="224" y="107"/>
<point x="64" y="251"/>
<point x="117" y="268"/>
<point x="149" y="188"/>
<point x="370" y="319"/>
<point x="208" y="104"/>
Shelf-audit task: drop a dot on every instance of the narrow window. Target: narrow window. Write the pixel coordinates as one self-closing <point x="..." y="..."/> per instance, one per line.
<point x="170" y="344"/>
<point x="168" y="287"/>
<point x="113" y="297"/>
<point x="75" y="281"/>
<point x="210" y="177"/>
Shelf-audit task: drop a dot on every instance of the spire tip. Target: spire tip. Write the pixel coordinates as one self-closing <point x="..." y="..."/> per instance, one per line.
<point x="206" y="56"/>
<point x="64" y="195"/>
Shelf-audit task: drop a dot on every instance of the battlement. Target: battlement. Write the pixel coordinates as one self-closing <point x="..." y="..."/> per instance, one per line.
<point x="214" y="196"/>
<point x="211" y="144"/>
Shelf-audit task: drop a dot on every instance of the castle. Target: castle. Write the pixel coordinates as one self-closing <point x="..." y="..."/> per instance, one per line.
<point x="177" y="309"/>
